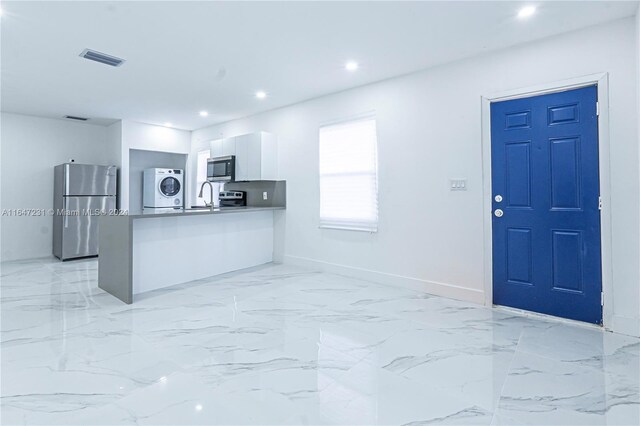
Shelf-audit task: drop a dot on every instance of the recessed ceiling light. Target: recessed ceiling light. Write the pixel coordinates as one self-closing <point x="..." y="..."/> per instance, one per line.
<point x="526" y="12"/>
<point x="351" y="66"/>
<point x="203" y="113"/>
<point x="167" y="124"/>
<point x="260" y="94"/>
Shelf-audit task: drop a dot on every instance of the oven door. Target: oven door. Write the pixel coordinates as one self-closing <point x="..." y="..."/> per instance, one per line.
<point x="221" y="169"/>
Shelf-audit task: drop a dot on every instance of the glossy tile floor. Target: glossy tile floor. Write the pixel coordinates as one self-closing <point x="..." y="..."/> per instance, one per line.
<point x="281" y="345"/>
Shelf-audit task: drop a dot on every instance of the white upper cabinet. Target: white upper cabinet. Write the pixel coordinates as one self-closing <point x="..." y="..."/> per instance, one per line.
<point x="256" y="157"/>
<point x="229" y="146"/>
<point x="216" y="148"/>
<point x="242" y="153"/>
<point x="223" y="147"/>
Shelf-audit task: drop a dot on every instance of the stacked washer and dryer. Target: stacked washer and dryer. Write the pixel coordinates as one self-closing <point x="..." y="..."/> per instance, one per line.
<point x="163" y="188"/>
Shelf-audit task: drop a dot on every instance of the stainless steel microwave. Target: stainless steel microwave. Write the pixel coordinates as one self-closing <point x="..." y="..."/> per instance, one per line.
<point x="221" y="169"/>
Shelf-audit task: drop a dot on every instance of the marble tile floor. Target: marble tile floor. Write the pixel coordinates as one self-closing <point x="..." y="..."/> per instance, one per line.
<point x="283" y="345"/>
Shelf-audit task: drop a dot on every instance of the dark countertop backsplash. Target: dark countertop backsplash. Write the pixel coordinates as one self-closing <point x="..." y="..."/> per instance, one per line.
<point x="276" y="192"/>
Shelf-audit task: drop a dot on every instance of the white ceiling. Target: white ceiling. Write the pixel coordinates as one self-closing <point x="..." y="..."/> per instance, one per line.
<point x="183" y="57"/>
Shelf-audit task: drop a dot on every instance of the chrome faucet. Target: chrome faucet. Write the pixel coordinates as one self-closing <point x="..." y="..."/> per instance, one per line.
<point x="200" y="195"/>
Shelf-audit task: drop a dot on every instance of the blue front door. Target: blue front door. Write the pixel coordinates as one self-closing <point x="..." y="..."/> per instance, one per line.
<point x="546" y="215"/>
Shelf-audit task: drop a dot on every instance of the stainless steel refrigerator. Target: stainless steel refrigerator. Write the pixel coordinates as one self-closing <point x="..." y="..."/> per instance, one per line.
<point x="81" y="192"/>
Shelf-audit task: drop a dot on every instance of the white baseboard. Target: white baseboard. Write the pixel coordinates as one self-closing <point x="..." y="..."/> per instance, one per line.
<point x="431" y="287"/>
<point x="625" y="325"/>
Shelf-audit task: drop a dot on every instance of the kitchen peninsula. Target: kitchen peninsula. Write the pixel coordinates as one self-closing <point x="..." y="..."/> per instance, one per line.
<point x="153" y="249"/>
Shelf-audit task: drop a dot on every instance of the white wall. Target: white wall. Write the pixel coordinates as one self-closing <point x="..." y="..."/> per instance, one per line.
<point x="31" y="147"/>
<point x="638" y="103"/>
<point x="429" y="129"/>
<point x="149" y="138"/>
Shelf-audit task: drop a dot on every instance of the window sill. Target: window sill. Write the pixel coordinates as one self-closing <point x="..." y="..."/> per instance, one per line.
<point x="349" y="228"/>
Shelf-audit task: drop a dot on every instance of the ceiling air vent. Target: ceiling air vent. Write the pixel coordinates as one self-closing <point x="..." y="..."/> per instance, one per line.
<point x="73" y="117"/>
<point x="103" y="58"/>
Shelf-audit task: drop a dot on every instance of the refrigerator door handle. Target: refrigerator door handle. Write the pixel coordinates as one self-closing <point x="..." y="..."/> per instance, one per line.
<point x="66" y="179"/>
<point x="65" y="212"/>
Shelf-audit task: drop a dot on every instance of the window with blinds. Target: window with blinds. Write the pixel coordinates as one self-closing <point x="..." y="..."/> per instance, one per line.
<point x="349" y="175"/>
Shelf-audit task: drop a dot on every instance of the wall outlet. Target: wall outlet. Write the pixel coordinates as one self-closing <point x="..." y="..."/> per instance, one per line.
<point x="265" y="196"/>
<point x="458" y="184"/>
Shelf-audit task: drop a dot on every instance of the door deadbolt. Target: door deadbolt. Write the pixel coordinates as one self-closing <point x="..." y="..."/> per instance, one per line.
<point x="498" y="213"/>
<point x="498" y="198"/>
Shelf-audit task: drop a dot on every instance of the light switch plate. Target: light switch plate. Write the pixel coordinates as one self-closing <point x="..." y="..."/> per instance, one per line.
<point x="458" y="184"/>
<point x="265" y="196"/>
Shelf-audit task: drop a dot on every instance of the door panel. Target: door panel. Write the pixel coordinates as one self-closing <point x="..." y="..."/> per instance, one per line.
<point x="242" y="157"/>
<point x="546" y="244"/>
<point x="564" y="114"/>
<point x="518" y="174"/>
<point x="86" y="179"/>
<point x="216" y="148"/>
<point x="229" y="146"/>
<point x="80" y="225"/>
<point x="169" y="186"/>
<point x="255" y="157"/>
<point x="567" y="261"/>
<point x="565" y="173"/>
<point x="519" y="256"/>
<point x="518" y="120"/>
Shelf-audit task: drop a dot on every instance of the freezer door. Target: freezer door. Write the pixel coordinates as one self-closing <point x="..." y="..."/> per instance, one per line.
<point x="87" y="179"/>
<point x="80" y="225"/>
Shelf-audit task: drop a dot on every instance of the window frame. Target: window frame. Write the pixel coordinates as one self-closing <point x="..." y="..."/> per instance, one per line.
<point x="362" y="225"/>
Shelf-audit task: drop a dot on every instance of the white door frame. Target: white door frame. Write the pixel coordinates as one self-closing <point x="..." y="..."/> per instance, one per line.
<point x="602" y="81"/>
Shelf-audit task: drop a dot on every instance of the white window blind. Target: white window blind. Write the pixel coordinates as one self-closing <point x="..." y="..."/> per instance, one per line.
<point x="201" y="176"/>
<point x="349" y="175"/>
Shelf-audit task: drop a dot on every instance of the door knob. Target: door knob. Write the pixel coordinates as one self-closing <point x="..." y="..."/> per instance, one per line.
<point x="498" y="198"/>
<point x="498" y="213"/>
